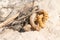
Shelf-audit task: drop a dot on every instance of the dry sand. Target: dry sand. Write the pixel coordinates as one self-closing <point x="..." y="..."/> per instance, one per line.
<point x="50" y="32"/>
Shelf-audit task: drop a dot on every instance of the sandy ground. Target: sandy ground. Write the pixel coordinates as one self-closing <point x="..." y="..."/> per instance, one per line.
<point x="50" y="32"/>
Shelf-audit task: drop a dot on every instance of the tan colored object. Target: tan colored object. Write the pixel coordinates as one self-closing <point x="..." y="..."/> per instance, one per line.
<point x="41" y="17"/>
<point x="45" y="15"/>
<point x="9" y="20"/>
<point x="32" y="19"/>
<point x="27" y="27"/>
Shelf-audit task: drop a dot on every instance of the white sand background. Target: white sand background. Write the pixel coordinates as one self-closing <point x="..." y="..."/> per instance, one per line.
<point x="50" y="32"/>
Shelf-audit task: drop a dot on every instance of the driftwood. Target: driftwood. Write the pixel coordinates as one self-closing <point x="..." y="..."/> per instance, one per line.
<point x="9" y="20"/>
<point x="31" y="11"/>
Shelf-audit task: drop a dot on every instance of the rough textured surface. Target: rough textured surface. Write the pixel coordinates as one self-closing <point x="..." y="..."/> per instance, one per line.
<point x="50" y="32"/>
<point x="12" y="8"/>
